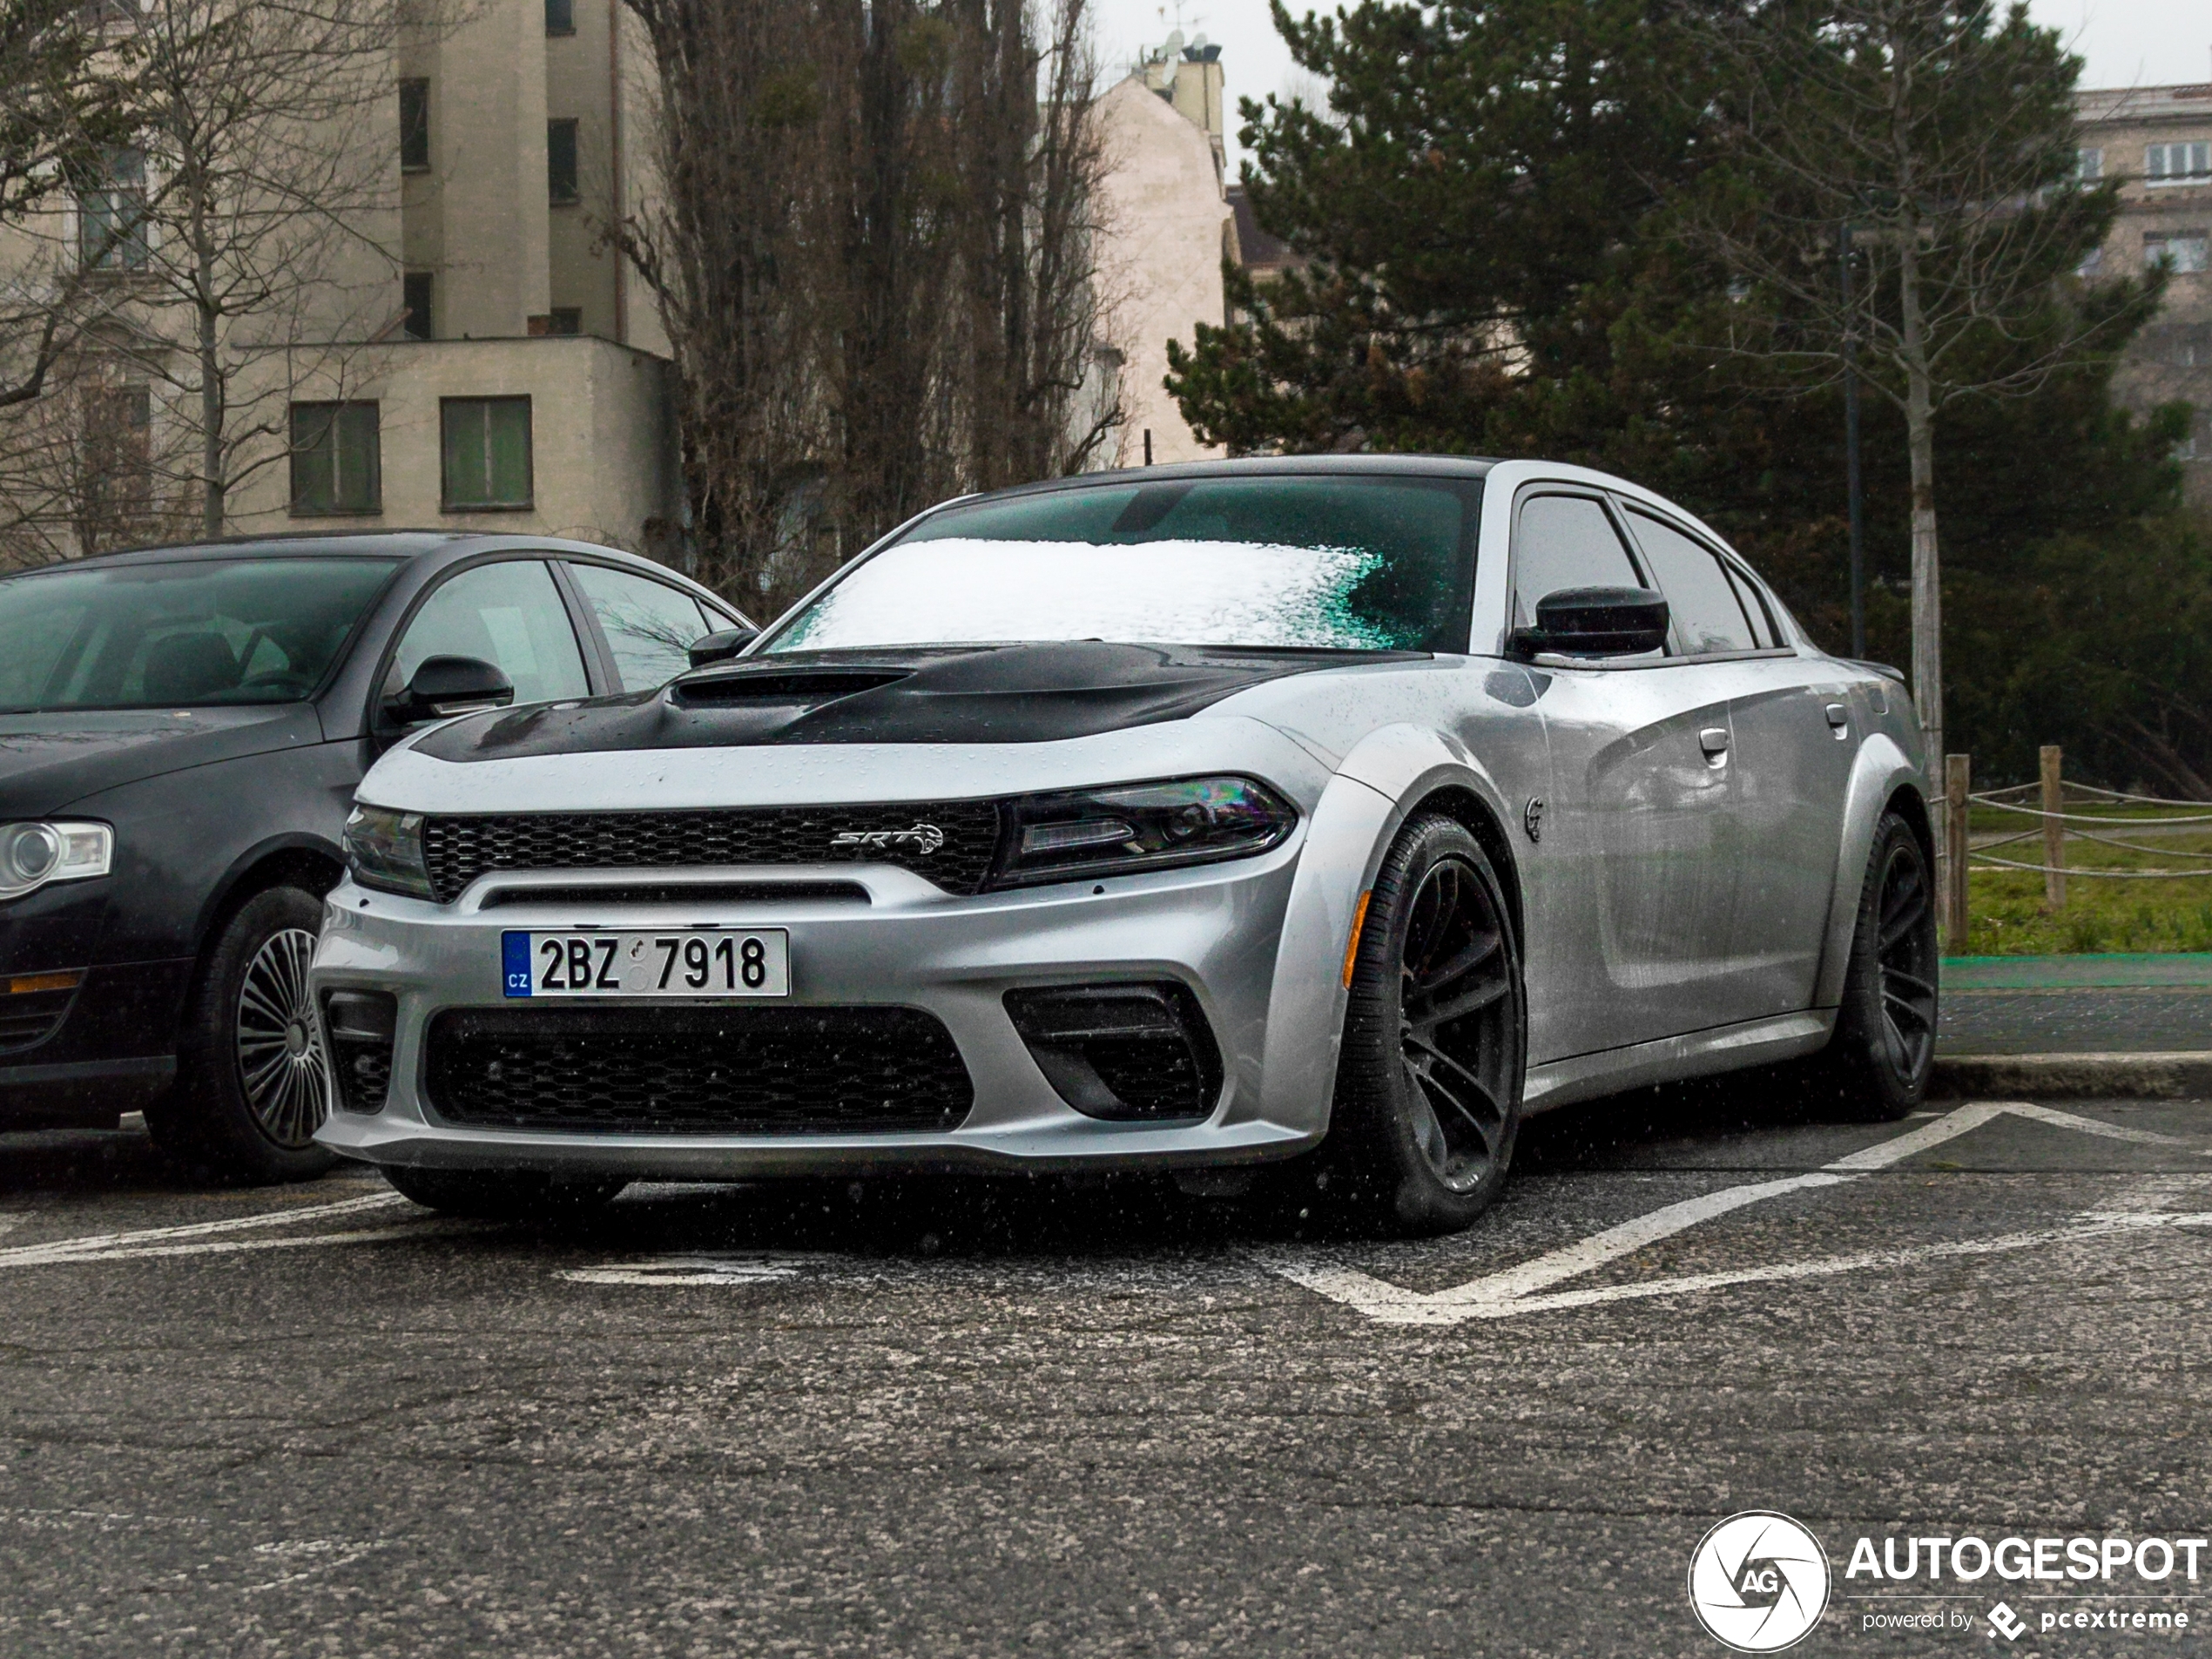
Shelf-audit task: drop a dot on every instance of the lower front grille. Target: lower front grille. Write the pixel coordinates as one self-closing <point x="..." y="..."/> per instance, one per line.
<point x="30" y="1016"/>
<point x="697" y="1071"/>
<point x="1122" y="1051"/>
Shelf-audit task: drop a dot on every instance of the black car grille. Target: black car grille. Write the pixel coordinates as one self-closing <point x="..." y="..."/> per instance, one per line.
<point x="458" y="850"/>
<point x="1140" y="1051"/>
<point x="697" y="1071"/>
<point x="30" y="1016"/>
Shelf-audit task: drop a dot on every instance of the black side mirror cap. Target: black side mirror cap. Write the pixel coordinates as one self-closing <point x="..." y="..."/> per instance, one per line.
<point x="445" y="687"/>
<point x="1596" y="621"/>
<point x="722" y="646"/>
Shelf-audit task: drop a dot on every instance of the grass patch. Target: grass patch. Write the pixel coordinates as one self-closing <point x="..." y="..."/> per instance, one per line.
<point x="2006" y="916"/>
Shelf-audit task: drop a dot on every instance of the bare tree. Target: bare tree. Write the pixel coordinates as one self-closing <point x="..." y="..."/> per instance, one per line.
<point x="1941" y="134"/>
<point x="875" y="257"/>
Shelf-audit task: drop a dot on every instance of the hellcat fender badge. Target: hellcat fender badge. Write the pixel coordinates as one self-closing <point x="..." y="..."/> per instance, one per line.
<point x="1532" y="820"/>
<point x="922" y="838"/>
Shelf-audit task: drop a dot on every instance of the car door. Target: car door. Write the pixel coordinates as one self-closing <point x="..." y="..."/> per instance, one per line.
<point x="648" y="627"/>
<point x="1640" y="807"/>
<point x="1791" y="717"/>
<point x="507" y="613"/>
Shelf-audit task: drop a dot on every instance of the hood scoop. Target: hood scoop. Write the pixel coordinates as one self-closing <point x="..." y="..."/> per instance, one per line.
<point x="756" y="688"/>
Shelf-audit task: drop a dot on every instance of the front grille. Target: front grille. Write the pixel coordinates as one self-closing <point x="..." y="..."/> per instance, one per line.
<point x="458" y="850"/>
<point x="721" y="1070"/>
<point x="30" y="1016"/>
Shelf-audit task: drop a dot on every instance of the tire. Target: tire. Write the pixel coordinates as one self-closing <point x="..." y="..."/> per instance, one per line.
<point x="1427" y="1103"/>
<point x="1879" y="1058"/>
<point x="253" y="1081"/>
<point x="504" y="1195"/>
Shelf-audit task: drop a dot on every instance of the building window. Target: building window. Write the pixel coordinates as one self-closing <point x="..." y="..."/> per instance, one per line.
<point x="560" y="161"/>
<point x="560" y="16"/>
<point x="414" y="295"/>
<point x="486" y="443"/>
<point x="111" y="217"/>
<point x="565" y="319"/>
<point x="2183" y="250"/>
<point x="415" y="126"/>
<point x="2177" y="164"/>
<point x="2092" y="262"/>
<point x="337" y="463"/>
<point x="2089" y="165"/>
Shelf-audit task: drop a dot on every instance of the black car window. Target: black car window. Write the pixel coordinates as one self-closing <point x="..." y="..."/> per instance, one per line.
<point x="1343" y="563"/>
<point x="650" y="626"/>
<point x="1763" y="627"/>
<point x="1707" y="615"/>
<point x="509" y="614"/>
<point x="179" y="634"/>
<point x="1566" y="541"/>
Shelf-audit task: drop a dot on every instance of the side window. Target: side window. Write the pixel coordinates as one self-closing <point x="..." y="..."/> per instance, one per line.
<point x="1707" y="615"/>
<point x="650" y="626"/>
<point x="1565" y="541"/>
<point x="509" y="614"/>
<point x="1763" y="627"/>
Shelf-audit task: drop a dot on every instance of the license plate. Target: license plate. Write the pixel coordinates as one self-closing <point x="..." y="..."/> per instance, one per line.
<point x="697" y="963"/>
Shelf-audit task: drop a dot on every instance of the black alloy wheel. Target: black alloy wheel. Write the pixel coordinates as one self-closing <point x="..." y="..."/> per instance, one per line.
<point x="1428" y="1085"/>
<point x="1883" y="1051"/>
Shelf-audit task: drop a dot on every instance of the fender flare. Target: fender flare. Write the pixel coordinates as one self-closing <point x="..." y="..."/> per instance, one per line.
<point x="1362" y="808"/>
<point x="1879" y="771"/>
<point x="293" y="845"/>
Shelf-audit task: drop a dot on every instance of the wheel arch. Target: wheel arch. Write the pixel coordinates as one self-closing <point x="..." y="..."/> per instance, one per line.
<point x="1883" y="779"/>
<point x="298" y="860"/>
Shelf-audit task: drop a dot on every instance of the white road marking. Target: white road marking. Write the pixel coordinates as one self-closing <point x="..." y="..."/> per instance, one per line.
<point x="98" y="1246"/>
<point x="1515" y="1290"/>
<point x="697" y="1268"/>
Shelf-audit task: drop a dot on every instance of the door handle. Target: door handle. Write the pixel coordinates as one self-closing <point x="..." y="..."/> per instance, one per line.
<point x="1714" y="741"/>
<point x="1839" y="716"/>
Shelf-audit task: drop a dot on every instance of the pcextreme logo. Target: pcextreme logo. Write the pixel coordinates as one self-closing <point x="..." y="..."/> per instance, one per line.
<point x="1758" y="1582"/>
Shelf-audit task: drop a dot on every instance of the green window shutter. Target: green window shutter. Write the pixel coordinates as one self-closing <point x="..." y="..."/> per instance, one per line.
<point x="313" y="479"/>
<point x="360" y="486"/>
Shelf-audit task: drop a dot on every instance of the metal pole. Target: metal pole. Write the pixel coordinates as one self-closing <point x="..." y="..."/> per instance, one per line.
<point x="1852" y="484"/>
<point x="1958" y="780"/>
<point x="2054" y="831"/>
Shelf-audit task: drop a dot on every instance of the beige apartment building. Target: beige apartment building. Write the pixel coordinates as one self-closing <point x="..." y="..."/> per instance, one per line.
<point x="2157" y="141"/>
<point x="477" y="357"/>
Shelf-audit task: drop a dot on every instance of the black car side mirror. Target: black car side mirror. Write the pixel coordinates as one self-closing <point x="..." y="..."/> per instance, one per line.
<point x="721" y="647"/>
<point x="445" y="687"/>
<point x="1596" y="621"/>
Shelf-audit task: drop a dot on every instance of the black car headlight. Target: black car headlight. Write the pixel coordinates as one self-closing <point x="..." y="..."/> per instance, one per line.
<point x="384" y="851"/>
<point x="33" y="854"/>
<point x="1130" y="827"/>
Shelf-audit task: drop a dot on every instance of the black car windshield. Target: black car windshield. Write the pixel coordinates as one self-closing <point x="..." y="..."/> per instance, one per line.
<point x="1330" y="563"/>
<point x="173" y="635"/>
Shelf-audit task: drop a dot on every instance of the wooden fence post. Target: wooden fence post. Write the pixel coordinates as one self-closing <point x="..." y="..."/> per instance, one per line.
<point x="1958" y="783"/>
<point x="2054" y="831"/>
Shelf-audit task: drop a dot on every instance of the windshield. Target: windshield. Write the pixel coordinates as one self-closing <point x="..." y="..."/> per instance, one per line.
<point x="191" y="633"/>
<point x="1329" y="563"/>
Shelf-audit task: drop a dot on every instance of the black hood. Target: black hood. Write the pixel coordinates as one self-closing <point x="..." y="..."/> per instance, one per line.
<point x="49" y="760"/>
<point x="975" y="694"/>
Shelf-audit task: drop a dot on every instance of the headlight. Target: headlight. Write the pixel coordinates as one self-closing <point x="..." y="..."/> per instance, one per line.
<point x="1139" y="827"/>
<point x="33" y="854"/>
<point x="384" y="850"/>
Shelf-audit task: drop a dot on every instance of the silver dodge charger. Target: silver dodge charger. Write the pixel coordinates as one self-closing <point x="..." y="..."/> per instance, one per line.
<point x="1308" y="820"/>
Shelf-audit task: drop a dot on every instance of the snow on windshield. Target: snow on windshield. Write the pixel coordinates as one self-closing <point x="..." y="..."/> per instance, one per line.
<point x="1167" y="592"/>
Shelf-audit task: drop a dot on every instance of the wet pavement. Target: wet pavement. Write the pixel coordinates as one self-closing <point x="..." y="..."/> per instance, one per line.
<point x="979" y="1418"/>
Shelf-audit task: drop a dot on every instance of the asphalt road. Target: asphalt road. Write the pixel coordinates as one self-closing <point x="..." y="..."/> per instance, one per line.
<point x="976" y="1419"/>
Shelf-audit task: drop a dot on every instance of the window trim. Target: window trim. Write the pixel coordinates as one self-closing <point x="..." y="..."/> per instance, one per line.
<point x="129" y="251"/>
<point x="528" y="504"/>
<point x="2173" y="180"/>
<point x="710" y="603"/>
<point x="2163" y="241"/>
<point x="375" y="509"/>
<point x="429" y="153"/>
<point x="1530" y="491"/>
<point x="1744" y="576"/>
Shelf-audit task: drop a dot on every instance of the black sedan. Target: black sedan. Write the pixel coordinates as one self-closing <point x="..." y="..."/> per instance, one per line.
<point x="181" y="730"/>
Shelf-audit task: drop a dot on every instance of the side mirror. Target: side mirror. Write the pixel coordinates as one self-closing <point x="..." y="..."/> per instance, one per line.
<point x="1596" y="621"/>
<point x="445" y="687"/>
<point x="721" y="647"/>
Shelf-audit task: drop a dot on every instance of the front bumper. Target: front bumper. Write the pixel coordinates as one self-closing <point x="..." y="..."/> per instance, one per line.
<point x="1229" y="932"/>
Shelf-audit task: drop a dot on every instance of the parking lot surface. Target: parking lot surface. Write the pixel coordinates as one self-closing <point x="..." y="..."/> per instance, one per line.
<point x="1011" y="1418"/>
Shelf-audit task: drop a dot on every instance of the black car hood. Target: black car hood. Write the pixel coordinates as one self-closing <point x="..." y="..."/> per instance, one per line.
<point x="49" y="760"/>
<point x="975" y="694"/>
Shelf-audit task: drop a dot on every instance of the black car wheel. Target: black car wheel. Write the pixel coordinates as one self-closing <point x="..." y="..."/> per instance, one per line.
<point x="504" y="1195"/>
<point x="254" y="1084"/>
<point x="1883" y="1050"/>
<point x="1428" y="1101"/>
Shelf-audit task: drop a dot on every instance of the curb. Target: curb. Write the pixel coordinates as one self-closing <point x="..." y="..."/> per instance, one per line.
<point x="2164" y="1076"/>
